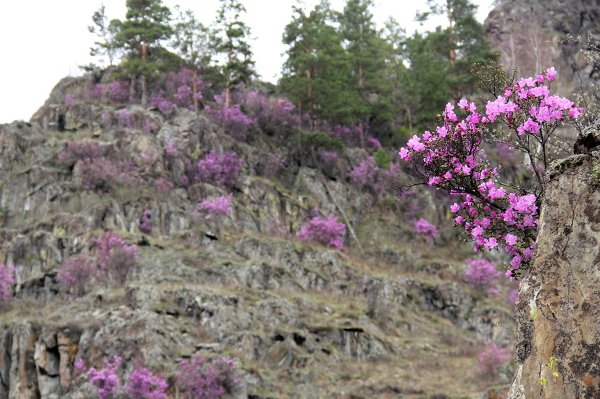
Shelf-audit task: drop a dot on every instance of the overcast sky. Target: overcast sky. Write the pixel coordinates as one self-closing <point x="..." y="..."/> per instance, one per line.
<point x="42" y="41"/>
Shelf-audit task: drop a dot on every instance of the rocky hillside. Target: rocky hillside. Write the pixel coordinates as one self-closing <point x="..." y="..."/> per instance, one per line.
<point x="387" y="316"/>
<point x="528" y="36"/>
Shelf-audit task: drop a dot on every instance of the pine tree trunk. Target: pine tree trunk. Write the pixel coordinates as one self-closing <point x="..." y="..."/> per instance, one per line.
<point x="228" y="93"/>
<point x="131" y="88"/>
<point x="143" y="86"/>
<point x="195" y="90"/>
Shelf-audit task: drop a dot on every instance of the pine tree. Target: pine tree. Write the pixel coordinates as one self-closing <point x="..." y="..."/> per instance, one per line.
<point x="106" y="33"/>
<point x="146" y="24"/>
<point x="366" y="50"/>
<point x="317" y="72"/>
<point x="232" y="43"/>
<point x="462" y="41"/>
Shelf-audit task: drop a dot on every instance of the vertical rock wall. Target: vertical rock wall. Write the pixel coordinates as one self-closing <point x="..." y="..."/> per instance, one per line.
<point x="558" y="312"/>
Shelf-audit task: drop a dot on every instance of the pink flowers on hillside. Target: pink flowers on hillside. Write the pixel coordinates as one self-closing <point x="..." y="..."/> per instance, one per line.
<point x="482" y="274"/>
<point x="220" y="170"/>
<point x="199" y="378"/>
<point x="451" y="158"/>
<point x="492" y="359"/>
<point x="7" y="279"/>
<point x="325" y="231"/>
<point x="427" y="230"/>
<point x="214" y="208"/>
<point x="116" y="259"/>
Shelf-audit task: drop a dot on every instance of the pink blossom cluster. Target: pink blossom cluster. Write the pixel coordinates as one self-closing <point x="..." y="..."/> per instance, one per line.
<point x="451" y="158"/>
<point x="142" y="384"/>
<point x="115" y="91"/>
<point x="106" y="381"/>
<point x="199" y="378"/>
<point x="160" y="102"/>
<point x="7" y="279"/>
<point x="220" y="170"/>
<point x="74" y="152"/>
<point x="101" y="173"/>
<point x="145" y="223"/>
<point x="426" y="229"/>
<point x="116" y="259"/>
<point x="269" y="113"/>
<point x="76" y="272"/>
<point x="482" y="274"/>
<point x="492" y="359"/>
<point x="180" y="88"/>
<point x="368" y="175"/>
<point x="233" y="120"/>
<point x="325" y="231"/>
<point x="214" y="208"/>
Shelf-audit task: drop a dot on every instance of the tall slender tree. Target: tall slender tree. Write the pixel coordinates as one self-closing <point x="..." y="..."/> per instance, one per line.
<point x="146" y="24"/>
<point x="192" y="40"/>
<point x="106" y="33"/>
<point x="366" y="49"/>
<point x="231" y="42"/>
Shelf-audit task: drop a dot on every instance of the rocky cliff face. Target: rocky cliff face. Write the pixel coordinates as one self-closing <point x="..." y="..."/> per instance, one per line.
<point x="391" y="317"/>
<point x="558" y="312"/>
<point x="527" y="35"/>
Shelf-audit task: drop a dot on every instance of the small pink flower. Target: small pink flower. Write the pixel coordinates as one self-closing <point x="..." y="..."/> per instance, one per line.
<point x="550" y="74"/>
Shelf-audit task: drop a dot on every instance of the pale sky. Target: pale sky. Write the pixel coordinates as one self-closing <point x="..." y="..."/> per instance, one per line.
<point x="42" y="41"/>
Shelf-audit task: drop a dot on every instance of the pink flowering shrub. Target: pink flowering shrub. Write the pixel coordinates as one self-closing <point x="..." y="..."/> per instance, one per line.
<point x="76" y="272"/>
<point x="145" y="223"/>
<point x="364" y="173"/>
<point x="142" y="384"/>
<point x="220" y="170"/>
<point x="117" y="91"/>
<point x="74" y="152"/>
<point x="101" y="174"/>
<point x="325" y="231"/>
<point x="7" y="279"/>
<point x="482" y="274"/>
<point x="235" y="122"/>
<point x="116" y="259"/>
<point x="369" y="176"/>
<point x="199" y="378"/>
<point x="106" y="381"/>
<point x="451" y="158"/>
<point x="180" y="88"/>
<point x="124" y="118"/>
<point x="216" y="208"/>
<point x="492" y="359"/>
<point x="427" y="230"/>
<point x="160" y="102"/>
<point x="270" y="114"/>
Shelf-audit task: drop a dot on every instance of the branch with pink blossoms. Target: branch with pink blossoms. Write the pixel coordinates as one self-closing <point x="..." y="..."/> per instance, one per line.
<point x="452" y="159"/>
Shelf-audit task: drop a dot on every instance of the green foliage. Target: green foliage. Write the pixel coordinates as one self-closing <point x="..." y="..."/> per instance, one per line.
<point x="320" y="141"/>
<point x="317" y="73"/>
<point x="139" y="36"/>
<point x="382" y="158"/>
<point x="231" y="41"/>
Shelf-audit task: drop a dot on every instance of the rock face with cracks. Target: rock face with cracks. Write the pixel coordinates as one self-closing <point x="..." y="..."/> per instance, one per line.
<point x="558" y="311"/>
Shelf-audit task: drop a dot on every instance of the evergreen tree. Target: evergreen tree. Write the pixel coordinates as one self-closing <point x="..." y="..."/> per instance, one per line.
<point x="317" y="72"/>
<point x="232" y="43"/>
<point x="462" y="42"/>
<point x="192" y="41"/>
<point x="367" y="51"/>
<point x="146" y="24"/>
<point x="106" y="33"/>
